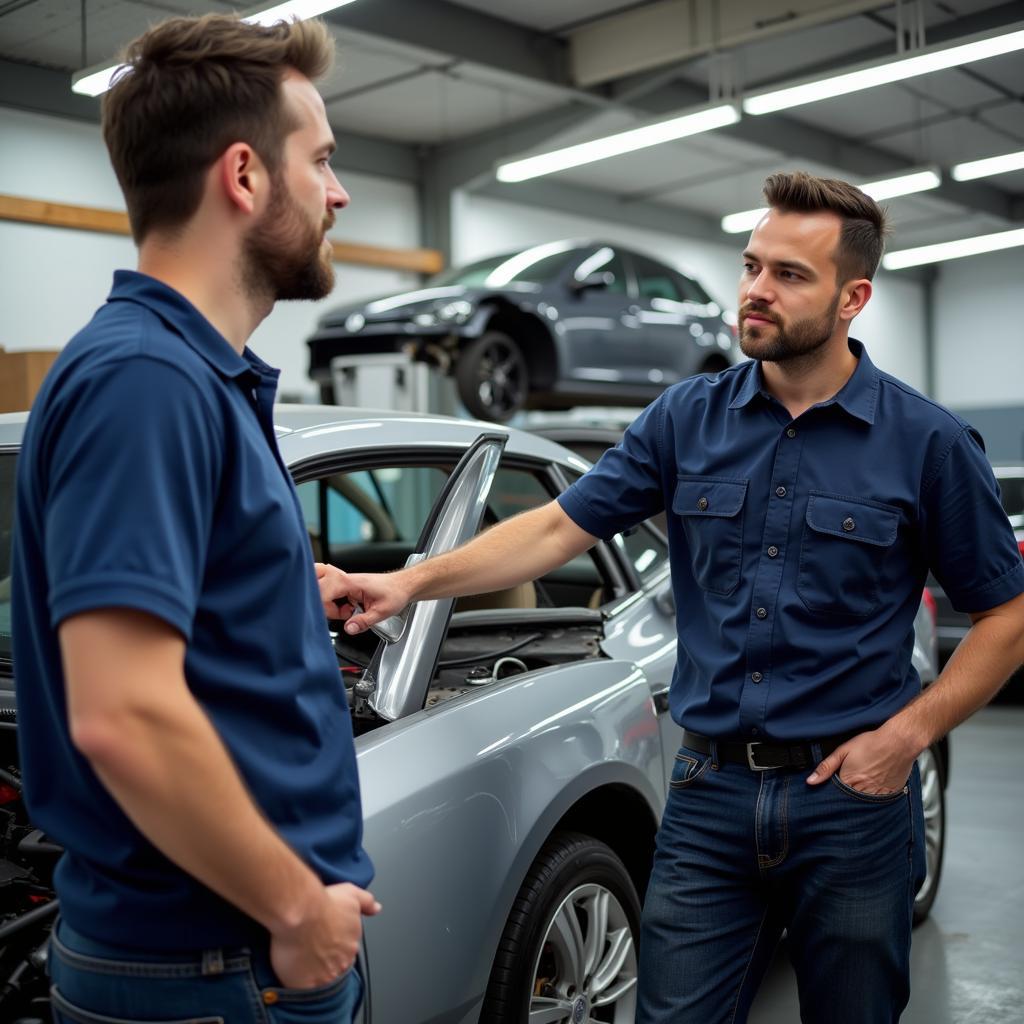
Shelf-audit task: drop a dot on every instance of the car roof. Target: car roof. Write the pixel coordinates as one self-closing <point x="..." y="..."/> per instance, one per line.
<point x="312" y="428"/>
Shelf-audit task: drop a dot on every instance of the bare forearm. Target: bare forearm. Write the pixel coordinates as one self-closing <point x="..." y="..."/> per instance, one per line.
<point x="168" y="770"/>
<point x="511" y="553"/>
<point x="992" y="650"/>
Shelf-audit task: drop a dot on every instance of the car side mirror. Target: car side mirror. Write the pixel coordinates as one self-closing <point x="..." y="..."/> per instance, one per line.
<point x="600" y="279"/>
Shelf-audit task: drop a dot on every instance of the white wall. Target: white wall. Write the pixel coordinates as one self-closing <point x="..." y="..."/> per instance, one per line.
<point x="979" y="331"/>
<point x="53" y="279"/>
<point x="892" y="325"/>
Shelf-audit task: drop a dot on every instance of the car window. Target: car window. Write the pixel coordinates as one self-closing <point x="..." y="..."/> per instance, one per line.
<point x="532" y="266"/>
<point x="7" y="464"/>
<point x="655" y="281"/>
<point x="604" y="261"/>
<point x="578" y="583"/>
<point x="692" y="292"/>
<point x="646" y="551"/>
<point x="1011" y="490"/>
<point x="369" y="520"/>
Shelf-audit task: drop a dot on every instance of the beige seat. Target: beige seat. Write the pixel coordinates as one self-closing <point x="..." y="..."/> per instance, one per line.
<point x="522" y="596"/>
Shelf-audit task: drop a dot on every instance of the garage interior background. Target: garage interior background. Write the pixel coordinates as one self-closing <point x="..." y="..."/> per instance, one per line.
<point x="429" y="95"/>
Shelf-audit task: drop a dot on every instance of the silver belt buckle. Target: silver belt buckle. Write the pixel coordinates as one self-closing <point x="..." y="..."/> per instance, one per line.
<point x="750" y="759"/>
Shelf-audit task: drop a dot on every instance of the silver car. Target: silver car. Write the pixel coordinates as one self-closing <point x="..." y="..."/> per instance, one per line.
<point x="514" y="748"/>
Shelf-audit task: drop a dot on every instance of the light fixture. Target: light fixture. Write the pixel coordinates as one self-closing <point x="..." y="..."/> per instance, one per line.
<point x="953" y="250"/>
<point x="654" y="134"/>
<point x="885" y="188"/>
<point x="990" y="165"/>
<point x="930" y="59"/>
<point x="99" y="78"/>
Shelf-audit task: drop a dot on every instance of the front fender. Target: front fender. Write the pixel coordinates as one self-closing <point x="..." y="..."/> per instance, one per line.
<point x="457" y="802"/>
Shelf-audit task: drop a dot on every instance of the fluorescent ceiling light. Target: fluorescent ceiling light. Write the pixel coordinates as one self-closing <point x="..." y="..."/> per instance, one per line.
<point x="953" y="250"/>
<point x="884" y="188"/>
<point x="99" y="78"/>
<point x="867" y="77"/>
<point x="990" y="165"/>
<point x="622" y="142"/>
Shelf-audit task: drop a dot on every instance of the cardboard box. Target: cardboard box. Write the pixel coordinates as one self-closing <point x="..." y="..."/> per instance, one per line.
<point x="21" y="373"/>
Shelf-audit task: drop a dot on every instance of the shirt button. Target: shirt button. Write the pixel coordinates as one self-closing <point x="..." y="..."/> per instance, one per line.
<point x="753" y="732"/>
<point x="762" y="613"/>
<point x="849" y="524"/>
<point x="780" y="491"/>
<point x="791" y="432"/>
<point x="773" y="551"/>
<point x="702" y="504"/>
<point x="756" y="676"/>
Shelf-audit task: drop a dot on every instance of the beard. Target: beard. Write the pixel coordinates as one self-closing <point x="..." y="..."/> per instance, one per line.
<point x="782" y="342"/>
<point x="283" y="255"/>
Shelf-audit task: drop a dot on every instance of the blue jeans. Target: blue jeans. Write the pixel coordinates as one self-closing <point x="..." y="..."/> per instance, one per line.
<point x="742" y="855"/>
<point x="94" y="983"/>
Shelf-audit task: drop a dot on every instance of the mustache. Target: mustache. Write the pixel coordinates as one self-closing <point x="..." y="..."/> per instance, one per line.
<point x="329" y="221"/>
<point x="751" y="310"/>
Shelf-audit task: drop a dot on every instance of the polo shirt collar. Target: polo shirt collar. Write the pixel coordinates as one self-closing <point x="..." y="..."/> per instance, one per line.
<point x="858" y="396"/>
<point x="187" y="322"/>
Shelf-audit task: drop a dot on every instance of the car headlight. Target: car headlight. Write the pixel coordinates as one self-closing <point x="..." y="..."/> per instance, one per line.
<point x="424" y="319"/>
<point x="457" y="312"/>
<point x="354" y="323"/>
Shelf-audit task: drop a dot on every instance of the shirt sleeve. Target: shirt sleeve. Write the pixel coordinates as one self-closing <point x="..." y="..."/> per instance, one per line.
<point x="625" y="486"/>
<point x="131" y="483"/>
<point x="969" y="542"/>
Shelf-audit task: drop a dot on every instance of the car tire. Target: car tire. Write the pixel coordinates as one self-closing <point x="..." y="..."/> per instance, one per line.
<point x="933" y="797"/>
<point x="570" y="941"/>
<point x="492" y="377"/>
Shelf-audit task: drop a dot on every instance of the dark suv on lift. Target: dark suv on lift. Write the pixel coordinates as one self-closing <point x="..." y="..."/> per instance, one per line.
<point x="556" y="325"/>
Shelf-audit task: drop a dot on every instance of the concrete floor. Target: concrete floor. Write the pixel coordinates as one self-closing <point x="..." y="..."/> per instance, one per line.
<point x="968" y="958"/>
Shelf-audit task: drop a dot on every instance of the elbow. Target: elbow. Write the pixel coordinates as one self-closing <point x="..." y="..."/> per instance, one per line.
<point x="104" y="740"/>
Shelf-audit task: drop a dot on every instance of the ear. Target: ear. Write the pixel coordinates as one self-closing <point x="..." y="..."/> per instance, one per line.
<point x="242" y="176"/>
<point x="854" y="298"/>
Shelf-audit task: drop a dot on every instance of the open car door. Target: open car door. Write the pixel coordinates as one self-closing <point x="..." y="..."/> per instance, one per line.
<point x="395" y="682"/>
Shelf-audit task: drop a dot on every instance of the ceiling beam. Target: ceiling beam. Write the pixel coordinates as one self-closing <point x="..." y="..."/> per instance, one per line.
<point x="595" y="204"/>
<point x="43" y="91"/>
<point x="460" y="32"/>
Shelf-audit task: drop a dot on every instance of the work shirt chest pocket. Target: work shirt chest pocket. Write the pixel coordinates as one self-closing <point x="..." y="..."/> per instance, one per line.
<point x="843" y="554"/>
<point x="711" y="511"/>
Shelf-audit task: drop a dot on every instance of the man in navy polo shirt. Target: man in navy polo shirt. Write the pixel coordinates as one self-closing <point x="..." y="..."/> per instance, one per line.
<point x="183" y="727"/>
<point x="809" y="494"/>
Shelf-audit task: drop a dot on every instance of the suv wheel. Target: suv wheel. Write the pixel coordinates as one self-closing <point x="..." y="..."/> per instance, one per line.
<point x="934" y="800"/>
<point x="492" y="377"/>
<point x="569" y="949"/>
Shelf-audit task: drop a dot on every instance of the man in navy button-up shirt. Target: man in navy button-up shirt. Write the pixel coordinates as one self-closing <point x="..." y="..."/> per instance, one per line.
<point x="183" y="728"/>
<point x="808" y="496"/>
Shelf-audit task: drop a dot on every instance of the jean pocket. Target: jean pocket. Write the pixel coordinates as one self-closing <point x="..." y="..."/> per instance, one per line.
<point x="66" y="1012"/>
<point x="868" y="798"/>
<point x="333" y="1003"/>
<point x="689" y="766"/>
<point x="844" y="554"/>
<point x="711" y="511"/>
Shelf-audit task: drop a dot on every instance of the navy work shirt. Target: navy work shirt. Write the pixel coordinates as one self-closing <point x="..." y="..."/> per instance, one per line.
<point x="150" y="479"/>
<point x="799" y="548"/>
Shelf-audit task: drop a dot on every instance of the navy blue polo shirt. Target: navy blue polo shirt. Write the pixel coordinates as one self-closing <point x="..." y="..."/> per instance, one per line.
<point x="150" y="479"/>
<point x="799" y="548"/>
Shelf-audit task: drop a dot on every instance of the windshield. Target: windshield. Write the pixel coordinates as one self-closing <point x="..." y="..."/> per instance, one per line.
<point x="532" y="266"/>
<point x="7" y="463"/>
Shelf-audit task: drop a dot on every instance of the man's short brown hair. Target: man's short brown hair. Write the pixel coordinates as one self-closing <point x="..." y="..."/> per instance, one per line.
<point x="864" y="222"/>
<point x="192" y="87"/>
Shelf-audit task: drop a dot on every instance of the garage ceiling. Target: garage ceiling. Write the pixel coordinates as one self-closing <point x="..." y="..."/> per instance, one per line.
<point x="439" y="90"/>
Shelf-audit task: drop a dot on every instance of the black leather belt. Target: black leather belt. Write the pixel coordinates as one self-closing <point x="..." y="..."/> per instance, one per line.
<point x="766" y="755"/>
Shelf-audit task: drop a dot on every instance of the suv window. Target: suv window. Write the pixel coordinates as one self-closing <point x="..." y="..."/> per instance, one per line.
<point x="533" y="266"/>
<point x="1011" y="490"/>
<point x="7" y="464"/>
